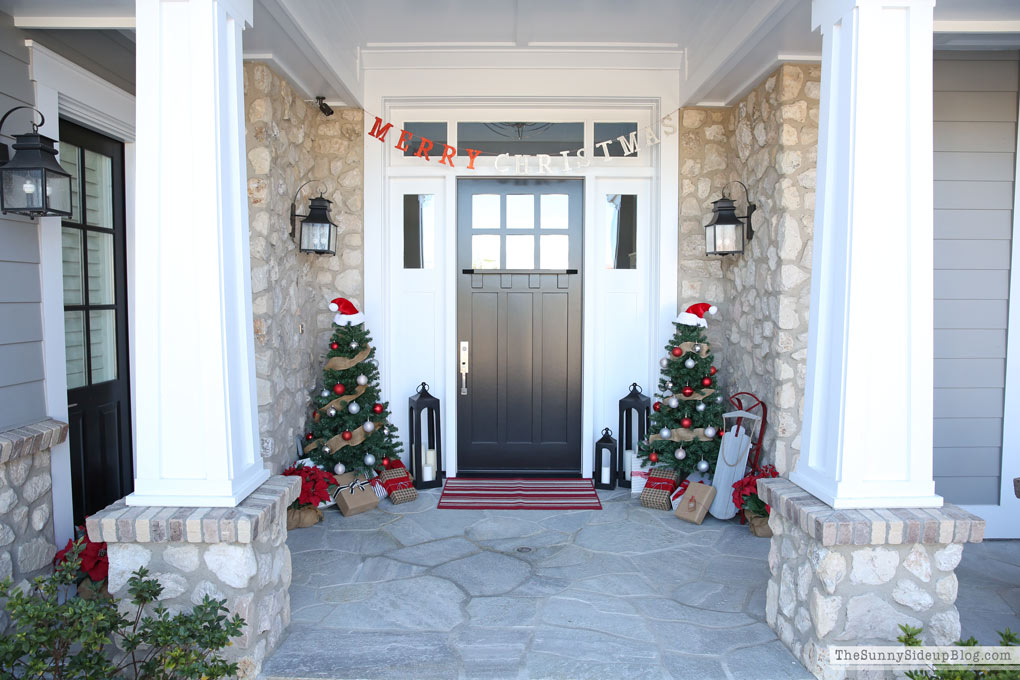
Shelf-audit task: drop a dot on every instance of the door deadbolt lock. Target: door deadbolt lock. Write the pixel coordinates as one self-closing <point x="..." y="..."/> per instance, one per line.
<point x="464" y="352"/>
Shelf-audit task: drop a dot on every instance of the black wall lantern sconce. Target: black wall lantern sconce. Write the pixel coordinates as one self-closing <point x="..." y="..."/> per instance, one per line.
<point x="318" y="233"/>
<point x="33" y="183"/>
<point x="635" y="416"/>
<point x="427" y="470"/>
<point x="725" y="233"/>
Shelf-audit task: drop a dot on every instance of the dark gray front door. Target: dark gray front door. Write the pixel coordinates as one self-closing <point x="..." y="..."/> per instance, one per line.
<point x="519" y="310"/>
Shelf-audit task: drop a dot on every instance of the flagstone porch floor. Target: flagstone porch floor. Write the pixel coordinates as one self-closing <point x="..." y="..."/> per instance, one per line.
<point x="409" y="591"/>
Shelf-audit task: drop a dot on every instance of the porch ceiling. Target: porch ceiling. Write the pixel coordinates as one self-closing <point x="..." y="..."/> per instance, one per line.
<point x="719" y="50"/>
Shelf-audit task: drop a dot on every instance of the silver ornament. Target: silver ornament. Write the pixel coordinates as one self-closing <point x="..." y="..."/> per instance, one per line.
<point x="353" y="407"/>
<point x="697" y="348"/>
<point x="669" y="384"/>
<point x="325" y="393"/>
<point x="331" y="412"/>
<point x="690" y="363"/>
<point x="718" y="399"/>
<point x="702" y="465"/>
<point x="362" y="379"/>
<point x="354" y="345"/>
<point x="370" y="460"/>
<point x="673" y="402"/>
<point x="339" y="468"/>
<point x="386" y="431"/>
<point x="710" y="431"/>
<point x="369" y="426"/>
<point x="665" y="433"/>
<point x="327" y="450"/>
<point x="664" y="362"/>
<point x="680" y="454"/>
<point x="700" y="408"/>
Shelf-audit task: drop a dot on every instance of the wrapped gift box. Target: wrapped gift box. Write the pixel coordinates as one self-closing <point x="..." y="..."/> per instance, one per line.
<point x="693" y="505"/>
<point x="354" y="494"/>
<point x="397" y="483"/>
<point x="659" y="486"/>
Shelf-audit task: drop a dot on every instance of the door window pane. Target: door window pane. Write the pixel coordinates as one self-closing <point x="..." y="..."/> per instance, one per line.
<point x="485" y="251"/>
<point x="520" y="252"/>
<point x="70" y="244"/>
<point x="554" y="251"/>
<point x="103" y="345"/>
<point x="554" y="211"/>
<point x="621" y="226"/>
<point x="520" y="211"/>
<point x="69" y="161"/>
<point x="434" y="132"/>
<point x="419" y="231"/>
<point x="605" y="132"/>
<point x="519" y="137"/>
<point x="74" y="348"/>
<point x="98" y="190"/>
<point x="100" y="249"/>
<point x="485" y="211"/>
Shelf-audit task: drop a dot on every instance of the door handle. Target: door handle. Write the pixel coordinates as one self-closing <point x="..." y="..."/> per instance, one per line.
<point x="464" y="352"/>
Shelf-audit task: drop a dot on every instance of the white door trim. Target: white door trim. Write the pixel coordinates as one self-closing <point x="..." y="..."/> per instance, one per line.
<point x="1003" y="520"/>
<point x="65" y="90"/>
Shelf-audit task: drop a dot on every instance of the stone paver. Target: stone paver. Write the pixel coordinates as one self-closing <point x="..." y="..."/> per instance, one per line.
<point x="626" y="592"/>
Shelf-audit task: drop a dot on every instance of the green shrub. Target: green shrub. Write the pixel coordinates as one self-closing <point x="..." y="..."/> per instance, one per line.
<point x="58" y="636"/>
<point x="911" y="638"/>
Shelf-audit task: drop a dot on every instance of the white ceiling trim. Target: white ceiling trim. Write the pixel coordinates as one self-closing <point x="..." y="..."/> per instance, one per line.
<point x="960" y="26"/>
<point x="281" y="68"/>
<point x="763" y="72"/>
<point x="522" y="59"/>
<point x="74" y="22"/>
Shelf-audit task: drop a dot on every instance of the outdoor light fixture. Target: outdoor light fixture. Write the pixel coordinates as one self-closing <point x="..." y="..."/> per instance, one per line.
<point x="33" y="183"/>
<point x="318" y="233"/>
<point x="725" y="233"/>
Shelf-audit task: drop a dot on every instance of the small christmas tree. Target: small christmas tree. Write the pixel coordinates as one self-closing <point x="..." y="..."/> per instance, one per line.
<point x="350" y="429"/>
<point x="687" y="419"/>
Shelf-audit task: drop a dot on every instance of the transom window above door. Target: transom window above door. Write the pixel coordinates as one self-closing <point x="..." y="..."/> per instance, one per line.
<point x="520" y="231"/>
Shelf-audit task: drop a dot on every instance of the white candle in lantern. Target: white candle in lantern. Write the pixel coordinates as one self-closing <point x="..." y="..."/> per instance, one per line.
<point x="430" y="457"/>
<point x="428" y="473"/>
<point x="629" y="465"/>
<point x="605" y="474"/>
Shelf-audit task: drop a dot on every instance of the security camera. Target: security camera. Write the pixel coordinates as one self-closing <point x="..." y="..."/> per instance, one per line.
<point x="326" y="109"/>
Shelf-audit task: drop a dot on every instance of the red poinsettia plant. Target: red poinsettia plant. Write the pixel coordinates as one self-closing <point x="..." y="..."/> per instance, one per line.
<point x="316" y="484"/>
<point x="745" y="491"/>
<point x="95" y="565"/>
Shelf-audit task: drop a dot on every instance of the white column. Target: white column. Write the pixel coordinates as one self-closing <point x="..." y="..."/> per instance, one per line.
<point x="196" y="419"/>
<point x="868" y="406"/>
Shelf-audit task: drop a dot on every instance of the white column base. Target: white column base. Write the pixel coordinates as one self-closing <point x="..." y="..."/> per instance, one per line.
<point x="197" y="492"/>
<point x="869" y="494"/>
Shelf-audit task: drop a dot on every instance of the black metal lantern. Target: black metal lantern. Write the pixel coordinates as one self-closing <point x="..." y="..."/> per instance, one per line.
<point x="604" y="471"/>
<point x="635" y="416"/>
<point x="428" y="472"/>
<point x="33" y="183"/>
<point x="725" y="233"/>
<point x="318" y="233"/>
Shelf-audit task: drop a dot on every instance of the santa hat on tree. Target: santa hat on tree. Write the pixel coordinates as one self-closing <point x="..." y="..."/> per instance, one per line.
<point x="695" y="315"/>
<point x="346" y="313"/>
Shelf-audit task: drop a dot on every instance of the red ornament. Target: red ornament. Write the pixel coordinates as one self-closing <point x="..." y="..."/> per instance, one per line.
<point x="677" y="352"/>
<point x="386" y="463"/>
<point x="687" y="391"/>
<point x="377" y="408"/>
<point x="339" y="388"/>
<point x="706" y="381"/>
<point x="654" y="457"/>
<point x="334" y="345"/>
<point x="309" y="436"/>
<point x="685" y="423"/>
<point x="711" y="371"/>
<point x="346" y="435"/>
<point x="657" y="405"/>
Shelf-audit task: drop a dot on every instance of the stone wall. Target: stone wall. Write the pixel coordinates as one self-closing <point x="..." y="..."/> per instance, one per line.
<point x="768" y="141"/>
<point x="290" y="142"/>
<point x="851" y="577"/>
<point x="235" y="554"/>
<point x="26" y="502"/>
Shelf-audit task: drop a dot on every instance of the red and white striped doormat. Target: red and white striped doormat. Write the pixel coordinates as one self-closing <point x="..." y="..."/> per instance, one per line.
<point x="519" y="494"/>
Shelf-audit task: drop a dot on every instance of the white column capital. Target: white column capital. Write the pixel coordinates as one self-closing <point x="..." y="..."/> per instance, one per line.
<point x="867" y="438"/>
<point x="196" y="427"/>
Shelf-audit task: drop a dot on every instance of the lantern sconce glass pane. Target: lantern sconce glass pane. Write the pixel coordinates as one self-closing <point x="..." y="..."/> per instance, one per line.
<point x="318" y="232"/>
<point x="727" y="233"/>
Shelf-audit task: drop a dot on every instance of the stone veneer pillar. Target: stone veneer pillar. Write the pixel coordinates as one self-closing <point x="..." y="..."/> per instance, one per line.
<point x="850" y="577"/>
<point x="238" y="554"/>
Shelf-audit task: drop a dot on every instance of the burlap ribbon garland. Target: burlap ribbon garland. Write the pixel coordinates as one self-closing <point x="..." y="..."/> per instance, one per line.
<point x="689" y="347"/>
<point x="340" y="401"/>
<point x="336" y="443"/>
<point x="683" y="435"/>
<point x="343" y="363"/>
